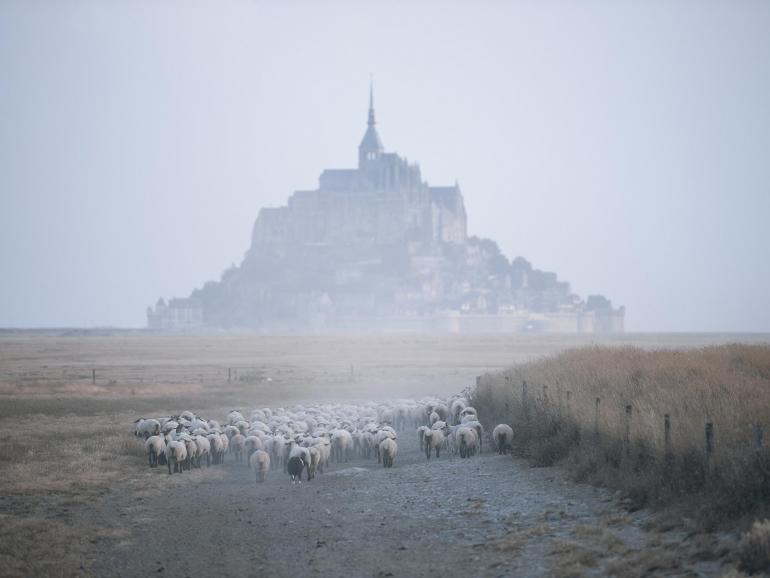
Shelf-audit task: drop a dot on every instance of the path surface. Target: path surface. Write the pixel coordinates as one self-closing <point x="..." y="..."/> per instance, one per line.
<point x="485" y="516"/>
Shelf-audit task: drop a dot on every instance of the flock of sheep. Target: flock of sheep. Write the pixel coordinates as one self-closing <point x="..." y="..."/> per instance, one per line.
<point x="306" y="437"/>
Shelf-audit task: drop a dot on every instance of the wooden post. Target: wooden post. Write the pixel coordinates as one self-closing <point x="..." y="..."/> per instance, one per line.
<point x="596" y="416"/>
<point x="93" y="376"/>
<point x="569" y="403"/>
<point x="759" y="435"/>
<point x="627" y="435"/>
<point x="524" y="399"/>
<point x="545" y="394"/>
<point x="478" y="381"/>
<point x="229" y="374"/>
<point x="667" y="435"/>
<point x="709" y="441"/>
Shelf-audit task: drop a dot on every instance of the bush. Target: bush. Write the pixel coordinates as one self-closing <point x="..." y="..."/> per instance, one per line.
<point x="754" y="548"/>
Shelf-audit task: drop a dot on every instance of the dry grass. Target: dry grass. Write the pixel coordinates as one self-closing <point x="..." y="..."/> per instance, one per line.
<point x="728" y="386"/>
<point x="754" y="548"/>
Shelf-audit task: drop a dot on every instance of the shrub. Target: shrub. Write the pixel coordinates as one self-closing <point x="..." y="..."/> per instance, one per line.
<point x="754" y="548"/>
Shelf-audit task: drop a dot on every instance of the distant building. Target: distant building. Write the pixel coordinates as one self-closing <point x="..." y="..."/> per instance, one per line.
<point x="376" y="248"/>
<point x="177" y="314"/>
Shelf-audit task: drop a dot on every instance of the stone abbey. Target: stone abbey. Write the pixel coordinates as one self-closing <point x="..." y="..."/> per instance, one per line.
<point x="376" y="248"/>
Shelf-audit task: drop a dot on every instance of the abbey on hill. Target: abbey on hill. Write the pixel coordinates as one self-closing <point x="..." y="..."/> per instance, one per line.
<point x="376" y="248"/>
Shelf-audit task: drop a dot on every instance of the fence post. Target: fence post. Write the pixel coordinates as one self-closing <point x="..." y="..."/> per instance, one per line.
<point x="93" y="376"/>
<point x="627" y="435"/>
<point x="478" y="381"/>
<point x="569" y="403"/>
<point x="229" y="374"/>
<point x="545" y="394"/>
<point x="667" y="435"/>
<point x="524" y="399"/>
<point x="759" y="435"/>
<point x="709" y="442"/>
<point x="596" y="416"/>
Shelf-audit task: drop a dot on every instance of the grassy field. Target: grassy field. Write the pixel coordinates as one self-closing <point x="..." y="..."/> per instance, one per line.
<point x="67" y="435"/>
<point x="603" y="412"/>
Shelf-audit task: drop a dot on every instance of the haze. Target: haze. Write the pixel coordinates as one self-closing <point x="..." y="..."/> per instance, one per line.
<point x="622" y="145"/>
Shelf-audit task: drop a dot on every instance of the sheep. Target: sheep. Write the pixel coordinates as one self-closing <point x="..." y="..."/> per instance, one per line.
<point x="479" y="431"/>
<point x="467" y="440"/>
<point x="233" y="417"/>
<point x="231" y="430"/>
<point x="315" y="460"/>
<point x="252" y="444"/>
<point x="147" y="427"/>
<point x="295" y="467"/>
<point x="433" y="418"/>
<point x="503" y="437"/>
<point x="217" y="448"/>
<point x="176" y="454"/>
<point x="259" y="461"/>
<point x="433" y="439"/>
<point x="389" y="448"/>
<point x="237" y="445"/>
<point x="421" y="435"/>
<point x="342" y="442"/>
<point x="204" y="449"/>
<point x="457" y="406"/>
<point x="192" y="450"/>
<point x="323" y="445"/>
<point x="156" y="449"/>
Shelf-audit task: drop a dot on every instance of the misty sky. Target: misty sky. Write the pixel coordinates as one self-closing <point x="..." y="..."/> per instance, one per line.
<point x="625" y="146"/>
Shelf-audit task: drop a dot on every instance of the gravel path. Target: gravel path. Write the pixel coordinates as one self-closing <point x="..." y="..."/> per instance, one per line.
<point x="485" y="516"/>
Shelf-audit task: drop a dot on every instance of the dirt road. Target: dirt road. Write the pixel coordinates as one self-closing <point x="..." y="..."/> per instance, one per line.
<point x="485" y="516"/>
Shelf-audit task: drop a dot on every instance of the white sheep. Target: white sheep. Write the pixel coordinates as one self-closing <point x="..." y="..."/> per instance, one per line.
<point x="147" y="427"/>
<point x="252" y="444"/>
<point x="421" y="435"/>
<point x="315" y="460"/>
<point x="434" y="440"/>
<point x="260" y="463"/>
<point x="155" y="446"/>
<point x="176" y="454"/>
<point x="237" y="445"/>
<point x="389" y="449"/>
<point x="204" y="449"/>
<point x="217" y="448"/>
<point x="503" y="436"/>
<point x="479" y="431"/>
<point x="342" y="442"/>
<point x="468" y="441"/>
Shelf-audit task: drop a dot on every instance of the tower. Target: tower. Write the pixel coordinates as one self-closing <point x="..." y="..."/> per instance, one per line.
<point x="371" y="146"/>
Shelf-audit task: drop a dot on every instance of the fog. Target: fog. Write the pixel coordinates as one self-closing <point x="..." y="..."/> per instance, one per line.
<point x="622" y="145"/>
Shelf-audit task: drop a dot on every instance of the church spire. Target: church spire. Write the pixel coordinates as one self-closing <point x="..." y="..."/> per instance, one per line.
<point x="371" y="146"/>
<point x="371" y="121"/>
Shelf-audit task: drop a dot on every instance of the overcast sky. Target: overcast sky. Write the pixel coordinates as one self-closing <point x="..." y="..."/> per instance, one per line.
<point x="625" y="146"/>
